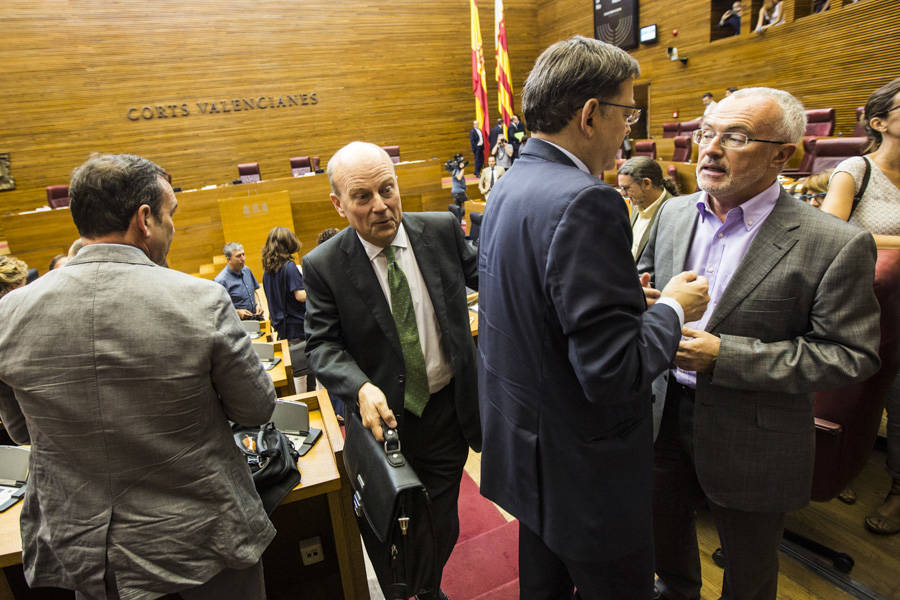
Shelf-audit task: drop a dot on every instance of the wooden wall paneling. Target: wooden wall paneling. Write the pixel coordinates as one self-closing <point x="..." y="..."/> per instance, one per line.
<point x="832" y="59"/>
<point x="199" y="236"/>
<point x="391" y="73"/>
<point x="249" y="221"/>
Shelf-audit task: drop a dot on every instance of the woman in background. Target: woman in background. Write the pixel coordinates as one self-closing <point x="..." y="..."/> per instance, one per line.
<point x="878" y="211"/>
<point x="770" y="14"/>
<point x="283" y="284"/>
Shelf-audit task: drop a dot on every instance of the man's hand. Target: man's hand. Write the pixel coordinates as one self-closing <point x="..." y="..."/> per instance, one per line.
<point x="697" y="351"/>
<point x="243" y="313"/>
<point x="650" y="294"/>
<point x="690" y="292"/>
<point x="373" y="407"/>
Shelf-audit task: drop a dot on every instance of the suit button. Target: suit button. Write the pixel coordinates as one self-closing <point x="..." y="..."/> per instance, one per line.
<point x="401" y="378"/>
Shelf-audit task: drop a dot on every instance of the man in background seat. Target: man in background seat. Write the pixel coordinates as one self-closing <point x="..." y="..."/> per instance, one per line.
<point x="238" y="280"/>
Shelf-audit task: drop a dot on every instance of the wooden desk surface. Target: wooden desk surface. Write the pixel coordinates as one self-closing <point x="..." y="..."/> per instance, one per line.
<point x="318" y="471"/>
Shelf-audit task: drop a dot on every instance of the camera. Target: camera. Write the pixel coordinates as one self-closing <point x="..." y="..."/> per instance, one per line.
<point x="457" y="162"/>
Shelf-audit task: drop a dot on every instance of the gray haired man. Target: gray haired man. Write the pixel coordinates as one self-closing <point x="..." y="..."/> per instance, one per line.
<point x="791" y="311"/>
<point x="238" y="279"/>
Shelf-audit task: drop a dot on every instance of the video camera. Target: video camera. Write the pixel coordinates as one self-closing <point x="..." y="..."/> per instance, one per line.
<point x="457" y="162"/>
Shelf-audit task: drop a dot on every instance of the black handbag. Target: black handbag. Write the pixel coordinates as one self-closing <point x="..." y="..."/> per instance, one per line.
<point x="272" y="460"/>
<point x="393" y="511"/>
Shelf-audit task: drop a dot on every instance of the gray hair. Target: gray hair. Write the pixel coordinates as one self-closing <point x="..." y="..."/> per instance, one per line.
<point x="108" y="189"/>
<point x="339" y="158"/>
<point x="792" y="124"/>
<point x="568" y="74"/>
<point x="230" y="247"/>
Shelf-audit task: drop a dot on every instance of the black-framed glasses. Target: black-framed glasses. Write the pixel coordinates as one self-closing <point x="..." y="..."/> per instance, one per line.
<point x="892" y="109"/>
<point x="631" y="117"/>
<point x="727" y="139"/>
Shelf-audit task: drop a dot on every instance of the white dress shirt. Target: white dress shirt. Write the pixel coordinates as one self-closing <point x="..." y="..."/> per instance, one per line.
<point x="437" y="367"/>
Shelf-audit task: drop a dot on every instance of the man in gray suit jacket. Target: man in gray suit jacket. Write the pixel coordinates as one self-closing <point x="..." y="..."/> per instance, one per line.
<point x="791" y="311"/>
<point x="122" y="376"/>
<point x="418" y="376"/>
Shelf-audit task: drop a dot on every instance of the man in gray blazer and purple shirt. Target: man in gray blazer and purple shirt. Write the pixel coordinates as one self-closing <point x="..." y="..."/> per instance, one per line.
<point x="791" y="311"/>
<point x="122" y="375"/>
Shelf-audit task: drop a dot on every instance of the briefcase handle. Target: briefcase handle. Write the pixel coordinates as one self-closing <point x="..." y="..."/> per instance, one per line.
<point x="392" y="446"/>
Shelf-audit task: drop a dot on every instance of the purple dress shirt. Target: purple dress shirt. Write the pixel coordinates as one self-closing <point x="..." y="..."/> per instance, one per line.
<point x="718" y="249"/>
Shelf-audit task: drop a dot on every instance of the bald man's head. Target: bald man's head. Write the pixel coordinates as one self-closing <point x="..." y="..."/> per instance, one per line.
<point x="364" y="191"/>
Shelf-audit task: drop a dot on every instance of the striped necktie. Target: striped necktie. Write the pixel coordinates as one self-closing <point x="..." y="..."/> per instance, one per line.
<point x="415" y="395"/>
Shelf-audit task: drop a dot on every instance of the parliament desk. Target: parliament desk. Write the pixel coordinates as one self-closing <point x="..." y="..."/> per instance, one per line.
<point x="318" y="506"/>
<point x="282" y="374"/>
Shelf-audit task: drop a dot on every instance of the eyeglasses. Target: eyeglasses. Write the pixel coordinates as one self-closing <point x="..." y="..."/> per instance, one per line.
<point x="633" y="114"/>
<point x="727" y="139"/>
<point x="818" y="197"/>
<point x="892" y="108"/>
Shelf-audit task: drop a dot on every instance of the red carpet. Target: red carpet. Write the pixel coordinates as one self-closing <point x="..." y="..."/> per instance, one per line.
<point x="485" y="561"/>
<point x="476" y="513"/>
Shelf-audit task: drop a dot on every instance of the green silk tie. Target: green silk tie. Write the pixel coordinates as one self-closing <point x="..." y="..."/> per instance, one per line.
<point x="415" y="395"/>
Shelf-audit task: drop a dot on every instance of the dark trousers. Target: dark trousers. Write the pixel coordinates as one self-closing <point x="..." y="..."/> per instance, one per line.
<point x="437" y="451"/>
<point x="749" y="539"/>
<point x="479" y="160"/>
<point x="460" y="199"/>
<point x="543" y="575"/>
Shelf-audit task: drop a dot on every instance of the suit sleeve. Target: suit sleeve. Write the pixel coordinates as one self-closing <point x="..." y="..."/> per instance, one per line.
<point x="614" y="342"/>
<point x="12" y="417"/>
<point x="840" y="348"/>
<point x="244" y="387"/>
<point x="326" y="351"/>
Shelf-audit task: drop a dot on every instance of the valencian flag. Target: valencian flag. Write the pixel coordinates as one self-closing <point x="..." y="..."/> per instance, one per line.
<point x="479" y="79"/>
<point x="503" y="75"/>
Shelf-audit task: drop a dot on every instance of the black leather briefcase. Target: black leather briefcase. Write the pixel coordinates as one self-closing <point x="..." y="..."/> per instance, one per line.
<point x="393" y="511"/>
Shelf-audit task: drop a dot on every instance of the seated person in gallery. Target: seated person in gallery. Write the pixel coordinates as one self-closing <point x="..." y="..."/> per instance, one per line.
<point x="238" y="279"/>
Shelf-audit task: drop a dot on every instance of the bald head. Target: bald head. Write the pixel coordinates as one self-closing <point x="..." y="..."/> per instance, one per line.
<point x="364" y="191"/>
<point x="354" y="153"/>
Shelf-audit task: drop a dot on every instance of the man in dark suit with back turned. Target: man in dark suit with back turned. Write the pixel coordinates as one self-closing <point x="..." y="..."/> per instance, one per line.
<point x="792" y="311"/>
<point x="568" y="346"/>
<point x="388" y="325"/>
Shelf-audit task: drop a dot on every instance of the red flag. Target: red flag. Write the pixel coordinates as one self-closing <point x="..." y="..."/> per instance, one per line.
<point x="479" y="79"/>
<point x="503" y="75"/>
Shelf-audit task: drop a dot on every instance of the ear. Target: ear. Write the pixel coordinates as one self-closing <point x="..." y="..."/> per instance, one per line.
<point x="590" y="112"/>
<point x="784" y="153"/>
<point x="877" y="123"/>
<point x="141" y="219"/>
<point x="336" y="203"/>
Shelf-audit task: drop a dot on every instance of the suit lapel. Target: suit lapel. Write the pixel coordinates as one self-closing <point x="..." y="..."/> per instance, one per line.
<point x="426" y="257"/>
<point x="684" y="222"/>
<point x="361" y="273"/>
<point x="776" y="237"/>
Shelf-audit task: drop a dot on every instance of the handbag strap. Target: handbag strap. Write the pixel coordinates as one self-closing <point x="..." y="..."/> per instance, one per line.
<point x="862" y="188"/>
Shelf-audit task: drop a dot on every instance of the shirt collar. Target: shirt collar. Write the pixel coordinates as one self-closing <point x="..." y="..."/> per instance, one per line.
<point x="372" y="251"/>
<point x="648" y="212"/>
<point x="752" y="212"/>
<point x="571" y="156"/>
